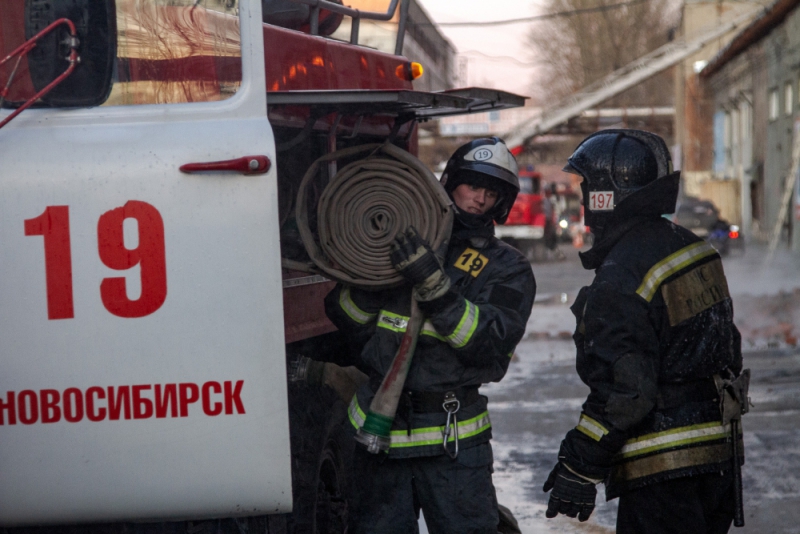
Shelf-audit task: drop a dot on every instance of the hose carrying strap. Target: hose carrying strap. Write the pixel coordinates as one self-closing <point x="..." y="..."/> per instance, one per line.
<point x="364" y="206"/>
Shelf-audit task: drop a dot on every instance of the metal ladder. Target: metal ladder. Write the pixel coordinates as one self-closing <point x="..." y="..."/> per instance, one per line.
<point x="783" y="212"/>
<point x="621" y="79"/>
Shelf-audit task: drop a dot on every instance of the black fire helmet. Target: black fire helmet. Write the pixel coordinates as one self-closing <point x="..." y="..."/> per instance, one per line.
<point x="615" y="164"/>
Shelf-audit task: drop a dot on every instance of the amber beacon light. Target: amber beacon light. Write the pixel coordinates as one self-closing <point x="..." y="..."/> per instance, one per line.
<point x="409" y="71"/>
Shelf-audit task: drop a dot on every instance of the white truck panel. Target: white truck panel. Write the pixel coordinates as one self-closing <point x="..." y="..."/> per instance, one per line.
<point x="217" y="335"/>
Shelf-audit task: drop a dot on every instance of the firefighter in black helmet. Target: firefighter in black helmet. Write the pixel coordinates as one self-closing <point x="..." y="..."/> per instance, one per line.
<point x="657" y="346"/>
<point x="477" y="297"/>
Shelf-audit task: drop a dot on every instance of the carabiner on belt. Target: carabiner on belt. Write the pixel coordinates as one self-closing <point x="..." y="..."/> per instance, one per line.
<point x="451" y="405"/>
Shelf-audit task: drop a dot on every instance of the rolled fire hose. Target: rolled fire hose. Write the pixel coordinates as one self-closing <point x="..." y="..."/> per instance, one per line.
<point x="359" y="213"/>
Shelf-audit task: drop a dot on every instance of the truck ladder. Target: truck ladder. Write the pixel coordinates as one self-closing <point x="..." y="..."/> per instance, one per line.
<point x="783" y="212"/>
<point x="621" y="79"/>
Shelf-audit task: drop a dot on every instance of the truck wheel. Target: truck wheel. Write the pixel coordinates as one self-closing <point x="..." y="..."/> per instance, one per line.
<point x="322" y="451"/>
<point x="331" y="505"/>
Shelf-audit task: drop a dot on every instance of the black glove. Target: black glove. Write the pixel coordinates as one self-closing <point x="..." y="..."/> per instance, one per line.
<point x="573" y="494"/>
<point x="413" y="258"/>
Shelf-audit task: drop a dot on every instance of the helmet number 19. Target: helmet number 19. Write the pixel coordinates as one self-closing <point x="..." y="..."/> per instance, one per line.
<point x="601" y="200"/>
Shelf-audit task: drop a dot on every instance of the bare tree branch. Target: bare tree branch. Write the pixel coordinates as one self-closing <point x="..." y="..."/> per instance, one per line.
<point x="577" y="50"/>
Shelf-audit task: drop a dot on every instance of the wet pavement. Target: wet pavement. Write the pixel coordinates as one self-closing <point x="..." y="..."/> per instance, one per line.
<point x="539" y="400"/>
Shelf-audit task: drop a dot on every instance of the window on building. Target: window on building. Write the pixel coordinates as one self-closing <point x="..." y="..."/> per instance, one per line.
<point x="747" y="121"/>
<point x="727" y="139"/>
<point x="788" y="99"/>
<point x="773" y="105"/>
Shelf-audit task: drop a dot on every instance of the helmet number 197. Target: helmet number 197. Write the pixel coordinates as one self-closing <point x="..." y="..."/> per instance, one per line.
<point x="601" y="200"/>
<point x="149" y="255"/>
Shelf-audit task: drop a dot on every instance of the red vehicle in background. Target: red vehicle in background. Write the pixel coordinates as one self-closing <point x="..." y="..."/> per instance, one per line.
<point x="532" y="225"/>
<point x="566" y="202"/>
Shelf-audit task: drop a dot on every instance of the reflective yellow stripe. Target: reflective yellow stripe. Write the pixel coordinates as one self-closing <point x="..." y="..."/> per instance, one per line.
<point x="466" y="327"/>
<point x="671" y="265"/>
<point x="423" y="436"/>
<point x="591" y="428"/>
<point x="429" y="330"/>
<point x="675" y="437"/>
<point x="399" y="323"/>
<point x="352" y="310"/>
<point x="705" y="454"/>
<point x="433" y="435"/>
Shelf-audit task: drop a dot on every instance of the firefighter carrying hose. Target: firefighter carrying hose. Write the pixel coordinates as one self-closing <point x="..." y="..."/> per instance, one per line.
<point x="476" y="302"/>
<point x="657" y="346"/>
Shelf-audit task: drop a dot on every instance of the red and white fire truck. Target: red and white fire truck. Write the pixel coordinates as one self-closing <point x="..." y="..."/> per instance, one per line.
<point x="532" y="223"/>
<point x="150" y="155"/>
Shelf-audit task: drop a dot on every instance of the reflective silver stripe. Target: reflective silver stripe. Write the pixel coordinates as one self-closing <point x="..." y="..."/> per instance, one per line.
<point x="353" y="311"/>
<point x="423" y="436"/>
<point x="670" y="265"/>
<point x="591" y="428"/>
<point x="304" y="281"/>
<point x="674" y="438"/>
<point x="466" y="327"/>
<point x="355" y="414"/>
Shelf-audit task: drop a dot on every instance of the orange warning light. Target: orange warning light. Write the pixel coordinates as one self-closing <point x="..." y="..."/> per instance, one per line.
<point x="409" y="71"/>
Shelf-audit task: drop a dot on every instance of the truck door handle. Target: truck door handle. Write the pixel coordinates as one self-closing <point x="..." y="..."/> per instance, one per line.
<point x="244" y="165"/>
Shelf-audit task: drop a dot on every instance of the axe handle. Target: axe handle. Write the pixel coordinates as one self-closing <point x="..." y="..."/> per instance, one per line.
<point x="738" y="513"/>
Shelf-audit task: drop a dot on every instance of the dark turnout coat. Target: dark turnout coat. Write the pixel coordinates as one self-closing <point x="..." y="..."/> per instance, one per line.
<point x="653" y="329"/>
<point x="467" y="340"/>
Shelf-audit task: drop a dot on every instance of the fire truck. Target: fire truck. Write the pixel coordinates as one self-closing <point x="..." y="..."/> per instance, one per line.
<point x="532" y="223"/>
<point x="154" y="285"/>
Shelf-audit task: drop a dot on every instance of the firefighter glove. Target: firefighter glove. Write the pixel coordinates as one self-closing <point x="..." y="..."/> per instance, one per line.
<point x="573" y="494"/>
<point x="413" y="258"/>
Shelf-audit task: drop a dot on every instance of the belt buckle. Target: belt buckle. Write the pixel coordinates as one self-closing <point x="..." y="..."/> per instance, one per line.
<point x="396" y="322"/>
<point x="451" y="403"/>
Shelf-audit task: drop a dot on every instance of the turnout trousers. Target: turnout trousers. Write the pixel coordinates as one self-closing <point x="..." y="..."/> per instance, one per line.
<point x="456" y="495"/>
<point x="700" y="504"/>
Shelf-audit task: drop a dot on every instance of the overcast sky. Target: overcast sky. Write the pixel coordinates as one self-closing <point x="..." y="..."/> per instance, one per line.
<point x="508" y="66"/>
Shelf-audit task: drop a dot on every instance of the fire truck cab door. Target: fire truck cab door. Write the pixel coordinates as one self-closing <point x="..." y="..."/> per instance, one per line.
<point x="141" y="323"/>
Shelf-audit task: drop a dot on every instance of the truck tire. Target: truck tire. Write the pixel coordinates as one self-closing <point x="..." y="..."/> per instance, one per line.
<point x="322" y="450"/>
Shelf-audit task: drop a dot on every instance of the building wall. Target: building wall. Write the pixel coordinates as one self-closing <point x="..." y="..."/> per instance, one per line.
<point x="782" y="48"/>
<point x="750" y="97"/>
<point x="692" y="106"/>
<point x="423" y="42"/>
<point x="738" y="148"/>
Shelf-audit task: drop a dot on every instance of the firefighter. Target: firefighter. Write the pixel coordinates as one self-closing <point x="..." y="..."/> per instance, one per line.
<point x="656" y="345"/>
<point x="476" y="300"/>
